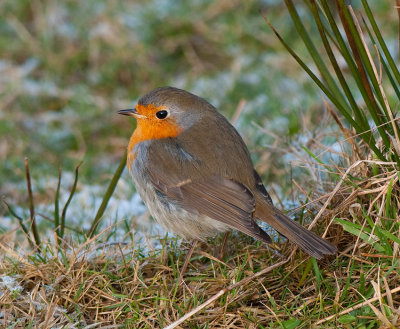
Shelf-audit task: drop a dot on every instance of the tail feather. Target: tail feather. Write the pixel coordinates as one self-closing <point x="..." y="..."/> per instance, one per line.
<point x="311" y="243"/>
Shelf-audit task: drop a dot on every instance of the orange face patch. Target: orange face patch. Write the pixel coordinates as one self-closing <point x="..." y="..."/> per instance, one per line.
<point x="150" y="127"/>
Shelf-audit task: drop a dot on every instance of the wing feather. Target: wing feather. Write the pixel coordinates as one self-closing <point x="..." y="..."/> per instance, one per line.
<point x="219" y="198"/>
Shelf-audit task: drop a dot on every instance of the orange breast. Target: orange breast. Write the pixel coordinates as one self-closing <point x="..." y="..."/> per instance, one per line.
<point x="150" y="128"/>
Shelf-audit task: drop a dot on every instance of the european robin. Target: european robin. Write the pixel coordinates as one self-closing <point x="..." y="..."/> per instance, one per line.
<point x="193" y="171"/>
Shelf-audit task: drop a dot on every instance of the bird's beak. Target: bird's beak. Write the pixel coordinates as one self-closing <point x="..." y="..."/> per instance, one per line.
<point x="131" y="113"/>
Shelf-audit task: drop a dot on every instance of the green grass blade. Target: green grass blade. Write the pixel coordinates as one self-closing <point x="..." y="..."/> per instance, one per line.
<point x="306" y="271"/>
<point x="362" y="51"/>
<point x="383" y="241"/>
<point x="389" y="75"/>
<point x="390" y="236"/>
<point x="381" y="41"/>
<point x="57" y="205"/>
<point x="365" y="68"/>
<point x="317" y="272"/>
<point x="315" y="54"/>
<point x="319" y="83"/>
<point x="64" y="212"/>
<point x="381" y="60"/>
<point x="356" y="70"/>
<point x="107" y="196"/>
<point x="388" y="206"/>
<point x="359" y="117"/>
<point x="20" y="221"/>
<point x="365" y="135"/>
<point x="357" y="230"/>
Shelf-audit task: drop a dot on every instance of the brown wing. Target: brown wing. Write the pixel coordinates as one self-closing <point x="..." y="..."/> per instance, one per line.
<point x="178" y="175"/>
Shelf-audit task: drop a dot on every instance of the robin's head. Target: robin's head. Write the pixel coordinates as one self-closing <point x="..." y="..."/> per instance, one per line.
<point x="165" y="113"/>
<point x="169" y="110"/>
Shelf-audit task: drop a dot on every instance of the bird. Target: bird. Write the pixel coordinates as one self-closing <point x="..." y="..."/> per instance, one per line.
<point x="194" y="173"/>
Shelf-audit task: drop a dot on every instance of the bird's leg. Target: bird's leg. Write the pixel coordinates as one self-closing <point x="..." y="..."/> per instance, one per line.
<point x="222" y="250"/>
<point x="187" y="260"/>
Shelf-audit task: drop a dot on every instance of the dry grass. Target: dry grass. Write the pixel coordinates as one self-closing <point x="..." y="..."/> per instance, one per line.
<point x="118" y="286"/>
<point x="107" y="285"/>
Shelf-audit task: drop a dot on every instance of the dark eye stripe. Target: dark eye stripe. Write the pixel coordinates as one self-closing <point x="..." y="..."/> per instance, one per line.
<point x="162" y="114"/>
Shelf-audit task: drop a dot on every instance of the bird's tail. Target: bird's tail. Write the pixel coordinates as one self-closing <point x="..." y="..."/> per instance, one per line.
<point x="311" y="243"/>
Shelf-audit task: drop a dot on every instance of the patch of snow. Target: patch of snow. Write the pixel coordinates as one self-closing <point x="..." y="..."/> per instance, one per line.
<point x="10" y="283"/>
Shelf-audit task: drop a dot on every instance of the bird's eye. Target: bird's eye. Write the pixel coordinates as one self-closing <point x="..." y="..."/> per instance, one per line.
<point x="162" y="114"/>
